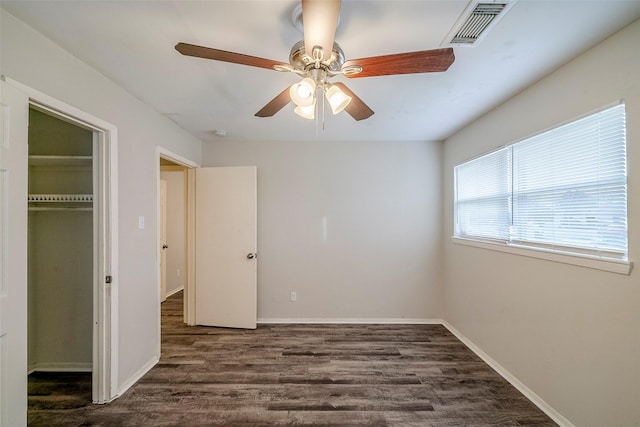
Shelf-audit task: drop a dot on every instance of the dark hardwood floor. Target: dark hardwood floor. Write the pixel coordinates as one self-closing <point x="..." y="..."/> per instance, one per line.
<point x="340" y="375"/>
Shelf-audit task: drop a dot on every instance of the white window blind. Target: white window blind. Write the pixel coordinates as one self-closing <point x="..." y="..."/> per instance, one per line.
<point x="565" y="189"/>
<point x="483" y="196"/>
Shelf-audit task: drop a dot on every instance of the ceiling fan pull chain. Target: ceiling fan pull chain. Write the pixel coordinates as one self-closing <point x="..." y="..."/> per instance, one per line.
<point x="315" y="106"/>
<point x="321" y="96"/>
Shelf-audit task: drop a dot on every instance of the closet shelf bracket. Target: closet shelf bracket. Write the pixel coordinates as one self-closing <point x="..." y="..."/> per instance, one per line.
<point x="60" y="202"/>
<point x="60" y="198"/>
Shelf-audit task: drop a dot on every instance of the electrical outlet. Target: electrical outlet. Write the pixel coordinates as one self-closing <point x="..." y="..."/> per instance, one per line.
<point x="294" y="296"/>
<point x="141" y="222"/>
<point x="177" y="272"/>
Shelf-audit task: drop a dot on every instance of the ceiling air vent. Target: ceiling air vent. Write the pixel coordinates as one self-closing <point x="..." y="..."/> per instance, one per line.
<point x="475" y="21"/>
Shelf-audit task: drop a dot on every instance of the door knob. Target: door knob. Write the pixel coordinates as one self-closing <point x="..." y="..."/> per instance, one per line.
<point x="251" y="256"/>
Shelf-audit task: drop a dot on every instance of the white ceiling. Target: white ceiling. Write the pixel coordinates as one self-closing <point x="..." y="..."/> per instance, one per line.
<point x="132" y="43"/>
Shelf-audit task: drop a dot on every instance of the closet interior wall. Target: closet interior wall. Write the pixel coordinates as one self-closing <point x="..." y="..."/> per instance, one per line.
<point x="60" y="245"/>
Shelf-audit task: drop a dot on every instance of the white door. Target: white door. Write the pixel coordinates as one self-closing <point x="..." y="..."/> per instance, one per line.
<point x="225" y="255"/>
<point x="163" y="240"/>
<point x="14" y="120"/>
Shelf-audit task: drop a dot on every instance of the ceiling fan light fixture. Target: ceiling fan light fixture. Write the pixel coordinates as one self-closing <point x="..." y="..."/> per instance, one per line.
<point x="307" y="112"/>
<point x="302" y="93"/>
<point x="338" y="100"/>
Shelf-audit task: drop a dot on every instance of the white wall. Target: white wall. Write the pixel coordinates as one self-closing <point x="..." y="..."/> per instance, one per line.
<point x="175" y="229"/>
<point x="31" y="59"/>
<point x="353" y="227"/>
<point x="571" y="334"/>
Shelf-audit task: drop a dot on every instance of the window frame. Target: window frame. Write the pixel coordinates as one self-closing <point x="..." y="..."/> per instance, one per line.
<point x="600" y="260"/>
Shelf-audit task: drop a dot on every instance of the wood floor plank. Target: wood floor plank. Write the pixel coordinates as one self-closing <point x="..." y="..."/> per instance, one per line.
<point x="296" y="374"/>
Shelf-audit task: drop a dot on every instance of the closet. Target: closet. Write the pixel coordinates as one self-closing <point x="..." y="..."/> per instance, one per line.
<point x="60" y="244"/>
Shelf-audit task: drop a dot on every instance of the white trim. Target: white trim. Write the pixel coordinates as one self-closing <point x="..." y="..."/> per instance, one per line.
<point x="157" y="257"/>
<point x="62" y="109"/>
<point x="190" y="280"/>
<point x="114" y="327"/>
<point x="504" y="373"/>
<point x="105" y="341"/>
<point x="128" y="383"/>
<point x="60" y="367"/>
<point x="355" y="321"/>
<point x="170" y="155"/>
<point x="175" y="291"/>
<point x="610" y="265"/>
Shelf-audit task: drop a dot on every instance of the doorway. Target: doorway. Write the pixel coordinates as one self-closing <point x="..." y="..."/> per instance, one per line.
<point x="174" y="271"/>
<point x="226" y="217"/>
<point x="173" y="227"/>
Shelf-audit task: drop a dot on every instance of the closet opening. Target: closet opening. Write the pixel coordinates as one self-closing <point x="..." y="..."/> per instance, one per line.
<point x="66" y="262"/>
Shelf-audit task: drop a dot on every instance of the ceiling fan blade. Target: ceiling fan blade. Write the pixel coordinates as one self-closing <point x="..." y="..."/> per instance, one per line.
<point x="275" y="105"/>
<point x="356" y="108"/>
<point x="319" y="21"/>
<point x="425" y="61"/>
<point x="223" y="55"/>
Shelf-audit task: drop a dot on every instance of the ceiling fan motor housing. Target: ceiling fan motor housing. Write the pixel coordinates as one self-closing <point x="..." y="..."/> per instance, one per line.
<point x="303" y="62"/>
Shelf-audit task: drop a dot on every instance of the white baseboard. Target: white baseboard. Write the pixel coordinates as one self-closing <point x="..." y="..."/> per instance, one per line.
<point x="60" y="367"/>
<point x="175" y="291"/>
<point x="358" y="321"/>
<point x="136" y="376"/>
<point x="529" y="394"/>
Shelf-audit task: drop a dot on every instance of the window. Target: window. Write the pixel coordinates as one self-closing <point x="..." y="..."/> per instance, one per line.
<point x="563" y="190"/>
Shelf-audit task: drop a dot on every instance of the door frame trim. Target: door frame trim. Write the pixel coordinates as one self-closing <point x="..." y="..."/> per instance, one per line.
<point x="189" y="287"/>
<point x="105" y="305"/>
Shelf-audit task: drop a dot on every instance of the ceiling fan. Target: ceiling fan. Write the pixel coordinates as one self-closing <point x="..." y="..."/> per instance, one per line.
<point x="317" y="58"/>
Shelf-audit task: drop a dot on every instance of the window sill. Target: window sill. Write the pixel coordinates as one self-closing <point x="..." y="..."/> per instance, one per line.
<point x="611" y="265"/>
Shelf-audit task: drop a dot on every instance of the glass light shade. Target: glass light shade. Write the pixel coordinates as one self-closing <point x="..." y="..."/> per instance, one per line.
<point x="307" y="112"/>
<point x="338" y="100"/>
<point x="301" y="93"/>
